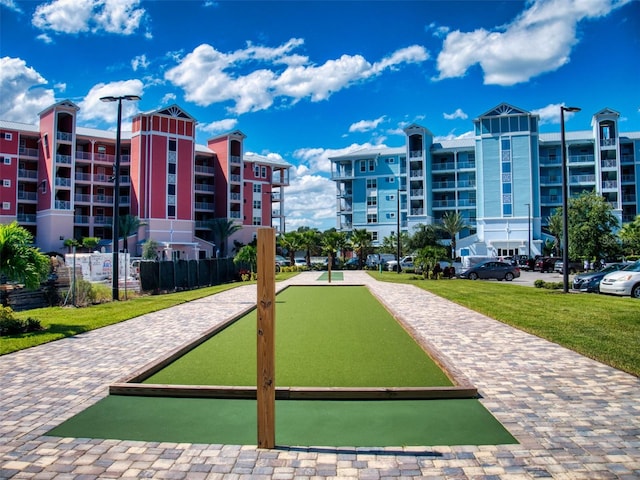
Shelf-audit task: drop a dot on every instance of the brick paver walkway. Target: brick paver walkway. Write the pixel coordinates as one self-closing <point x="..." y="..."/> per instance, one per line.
<point x="574" y="417"/>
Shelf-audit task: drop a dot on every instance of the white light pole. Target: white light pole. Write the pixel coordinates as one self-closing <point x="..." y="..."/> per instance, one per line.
<point x="565" y="201"/>
<point x="529" y="228"/>
<point x="116" y="193"/>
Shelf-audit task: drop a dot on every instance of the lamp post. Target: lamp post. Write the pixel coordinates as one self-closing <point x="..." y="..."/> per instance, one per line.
<point x="116" y="192"/>
<point x="399" y="269"/>
<point x="565" y="201"/>
<point x="528" y="229"/>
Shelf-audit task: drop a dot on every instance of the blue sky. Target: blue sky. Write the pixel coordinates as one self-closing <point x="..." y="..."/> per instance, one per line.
<point x="309" y="80"/>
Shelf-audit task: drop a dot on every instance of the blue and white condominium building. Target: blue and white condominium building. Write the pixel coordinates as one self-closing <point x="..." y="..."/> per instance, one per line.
<point x="505" y="181"/>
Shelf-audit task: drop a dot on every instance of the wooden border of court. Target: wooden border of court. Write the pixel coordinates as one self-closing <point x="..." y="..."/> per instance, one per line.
<point x="131" y="385"/>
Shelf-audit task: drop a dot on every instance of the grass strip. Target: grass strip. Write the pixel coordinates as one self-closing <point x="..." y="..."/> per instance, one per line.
<point x="325" y="337"/>
<point x="601" y="327"/>
<point x="333" y="423"/>
<point x="62" y="322"/>
<point x="339" y="276"/>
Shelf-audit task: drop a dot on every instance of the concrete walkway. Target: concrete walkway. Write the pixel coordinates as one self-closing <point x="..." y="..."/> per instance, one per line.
<point x="574" y="417"/>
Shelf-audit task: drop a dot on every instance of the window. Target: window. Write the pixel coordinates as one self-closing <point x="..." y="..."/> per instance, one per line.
<point x="372" y="218"/>
<point x="7" y="160"/>
<point x="391" y="160"/>
<point x="173" y="145"/>
<point x="372" y="165"/>
<point x="263" y="172"/>
<point x="374" y="236"/>
<point x="256" y="171"/>
<point x="372" y="183"/>
<point x="391" y="180"/>
<point x="363" y="165"/>
<point x="257" y="188"/>
<point x="257" y="204"/>
<point x="7" y="136"/>
<point x="257" y="221"/>
<point x="171" y="211"/>
<point x="372" y="201"/>
<point x="171" y="189"/>
<point x="6" y="183"/>
<point x="6" y="205"/>
<point x="391" y="215"/>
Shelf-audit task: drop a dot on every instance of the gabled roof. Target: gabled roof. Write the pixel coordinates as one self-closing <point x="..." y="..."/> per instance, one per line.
<point x="172" y="111"/>
<point x="62" y="103"/>
<point x="234" y="133"/>
<point x="607" y="111"/>
<point x="415" y="126"/>
<point x="504" y="109"/>
<point x="261" y="159"/>
<point x="370" y="152"/>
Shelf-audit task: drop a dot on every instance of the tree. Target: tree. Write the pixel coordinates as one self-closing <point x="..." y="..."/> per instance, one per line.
<point x="222" y="229"/>
<point x="309" y="241"/>
<point x="19" y="261"/>
<point x="331" y="242"/>
<point x="555" y="223"/>
<point x="427" y="258"/>
<point x="424" y="235"/>
<point x="128" y="225"/>
<point x="453" y="223"/>
<point x="247" y="254"/>
<point x="290" y="242"/>
<point x="630" y="236"/>
<point x="361" y="243"/>
<point x="150" y="249"/>
<point x="90" y="243"/>
<point x="591" y="226"/>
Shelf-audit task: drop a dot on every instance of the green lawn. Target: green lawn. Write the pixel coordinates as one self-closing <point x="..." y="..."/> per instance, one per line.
<point x="325" y="337"/>
<point x="601" y="327"/>
<point x="61" y="322"/>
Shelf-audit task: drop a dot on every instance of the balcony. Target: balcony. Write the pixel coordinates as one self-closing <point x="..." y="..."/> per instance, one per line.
<point x="81" y="219"/>
<point x="235" y="159"/>
<point x="63" y="159"/>
<point x="446" y="185"/>
<point x="581" y="179"/>
<point x="552" y="180"/>
<point x="280" y="179"/>
<point x="203" y="187"/>
<point x="417" y="211"/>
<point x="201" y="169"/>
<point x="29" y="196"/>
<point x="203" y="206"/>
<point x="63" y="182"/>
<point x="83" y="177"/>
<point x="82" y="198"/>
<point x="551" y="199"/>
<point x="609" y="163"/>
<point x="235" y="196"/>
<point x="467" y="202"/>
<point x="102" y="178"/>
<point x="103" y="199"/>
<point x="550" y="160"/>
<point x="415" y="173"/>
<point x="466" y="184"/>
<point x="235" y="178"/>
<point x="30" y="174"/>
<point x="416" y="192"/>
<point x="466" y="165"/>
<point x="444" y="203"/>
<point x="581" y="159"/>
<point x="102" y="220"/>
<point x="415" y="154"/>
<point x="63" y="205"/>
<point x="342" y="174"/>
<point x="610" y="185"/>
<point x="26" y="218"/>
<point x="234" y="214"/>
<point x="28" y="152"/>
<point x="607" y="142"/>
<point x="628" y="179"/>
<point x="65" y="136"/>
<point x="439" y="166"/>
<point x="626" y="159"/>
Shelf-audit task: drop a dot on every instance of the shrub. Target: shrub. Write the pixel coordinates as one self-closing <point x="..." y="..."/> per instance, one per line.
<point x="539" y="283"/>
<point x="10" y="325"/>
<point x="548" y="285"/>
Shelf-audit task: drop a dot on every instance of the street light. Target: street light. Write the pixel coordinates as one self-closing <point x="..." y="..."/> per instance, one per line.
<point x="399" y="269"/>
<point x="116" y="192"/>
<point x="565" y="201"/>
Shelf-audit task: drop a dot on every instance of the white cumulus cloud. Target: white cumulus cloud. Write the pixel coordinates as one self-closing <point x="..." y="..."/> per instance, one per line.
<point x="455" y="115"/>
<point x="539" y="40"/>
<point x="23" y="93"/>
<point x="365" y="125"/>
<point x="92" y="108"/>
<point x="209" y="76"/>
<point x="122" y="17"/>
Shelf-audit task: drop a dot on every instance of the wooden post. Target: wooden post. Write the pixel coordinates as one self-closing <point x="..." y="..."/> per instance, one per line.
<point x="266" y="382"/>
<point x="329" y="262"/>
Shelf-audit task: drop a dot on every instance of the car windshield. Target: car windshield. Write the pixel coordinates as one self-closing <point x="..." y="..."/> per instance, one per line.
<point x="634" y="267"/>
<point x="611" y="268"/>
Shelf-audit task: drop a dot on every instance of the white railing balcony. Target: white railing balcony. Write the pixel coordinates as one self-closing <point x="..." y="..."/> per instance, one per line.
<point x="341" y="174"/>
<point x="63" y="205"/>
<point x="416" y="192"/>
<point x="234" y="196"/>
<point x="26" y="218"/>
<point x="607" y="142"/>
<point x="81" y="219"/>
<point x="104" y="158"/>
<point x="204" y="206"/>
<point x="443" y="166"/>
<point x="82" y="198"/>
<point x="582" y="179"/>
<point x="417" y="211"/>
<point x="102" y="220"/>
<point x="64" y="159"/>
<point x="463" y="165"/>
<point x="467" y="202"/>
<point x="63" y="182"/>
<point x="66" y="136"/>
<point x="415" y="153"/>
<point x="235" y="159"/>
<point x="124" y="199"/>
<point x="83" y="155"/>
<point x="24" y="173"/>
<point x="466" y="183"/>
<point x="204" y="169"/>
<point x="234" y="214"/>
<point x="102" y="178"/>
<point x="444" y="203"/>
<point x="28" y="152"/>
<point x="415" y="173"/>
<point x="449" y="184"/>
<point x="235" y="178"/>
<point x="103" y="199"/>
<point x="125" y="179"/>
<point x="83" y="177"/>
<point x="22" y="195"/>
<point x="203" y="187"/>
<point x="610" y="184"/>
<point x="608" y="163"/>
<point x="581" y="158"/>
<point x="555" y="160"/>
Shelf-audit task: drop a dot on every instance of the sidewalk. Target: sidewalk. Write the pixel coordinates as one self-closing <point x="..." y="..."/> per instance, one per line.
<point x="574" y="417"/>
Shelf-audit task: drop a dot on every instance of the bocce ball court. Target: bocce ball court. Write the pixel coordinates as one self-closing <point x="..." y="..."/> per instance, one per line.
<point x="347" y="374"/>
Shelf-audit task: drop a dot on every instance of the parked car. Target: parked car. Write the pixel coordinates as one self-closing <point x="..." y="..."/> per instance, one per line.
<point x="574" y="266"/>
<point x="406" y="264"/>
<point x="374" y="260"/>
<point x="352" y="264"/>
<point x="300" y="262"/>
<point x="623" y="282"/>
<point x="282" y="261"/>
<point x="590" y="282"/>
<point x="492" y="269"/>
<point x="545" y="264"/>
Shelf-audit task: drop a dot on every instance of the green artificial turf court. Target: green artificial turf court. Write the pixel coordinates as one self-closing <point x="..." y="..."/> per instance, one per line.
<point x="325" y="337"/>
<point x="338" y="276"/>
<point x="305" y="422"/>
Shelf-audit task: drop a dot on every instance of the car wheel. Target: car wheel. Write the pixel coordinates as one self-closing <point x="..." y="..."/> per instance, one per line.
<point x="635" y="291"/>
<point x="473" y="276"/>
<point x="508" y="277"/>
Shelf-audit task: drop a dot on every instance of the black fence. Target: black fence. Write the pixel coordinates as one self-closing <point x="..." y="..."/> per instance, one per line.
<point x="186" y="274"/>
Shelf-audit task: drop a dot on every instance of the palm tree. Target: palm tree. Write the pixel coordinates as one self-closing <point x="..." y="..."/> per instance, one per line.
<point x="331" y="242"/>
<point x="453" y="223"/>
<point x="247" y="254"/>
<point x="19" y="261"/>
<point x="222" y="229"/>
<point x="128" y="225"/>
<point x="361" y="242"/>
<point x="309" y="240"/>
<point x="555" y="225"/>
<point x="290" y="242"/>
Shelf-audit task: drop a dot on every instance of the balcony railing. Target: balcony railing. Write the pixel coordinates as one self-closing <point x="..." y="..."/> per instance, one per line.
<point x="610" y="184"/>
<point x="66" y="136"/>
<point x="63" y="182"/>
<point x="416" y="192"/>
<point x="63" y="205"/>
<point x="83" y="177"/>
<point x="342" y="174"/>
<point x="234" y="196"/>
<point x="555" y="160"/>
<point x="462" y="165"/>
<point x="235" y="178"/>
<point x="552" y="199"/>
<point x="467" y="202"/>
<point x="22" y="195"/>
<point x="203" y="187"/>
<point x="608" y="163"/>
<point x="64" y="159"/>
<point x="204" y="206"/>
<point x="553" y="180"/>
<point x="582" y="179"/>
<point x="444" y="203"/>
<point x="466" y="183"/>
<point x="417" y="211"/>
<point x="415" y="173"/>
<point x="102" y="178"/>
<point x="607" y="142"/>
<point x="628" y="179"/>
<point x="443" y="166"/>
<point x="28" y="152"/>
<point x="26" y="217"/>
<point x="103" y="199"/>
<point x="234" y="214"/>
<point x="235" y="159"/>
<point x="581" y="158"/>
<point x="449" y="184"/>
<point x="204" y="169"/>
<point x="23" y="173"/>
<point x="81" y="219"/>
<point x="626" y="159"/>
<point x="102" y="220"/>
<point x="415" y="153"/>
<point x="82" y="198"/>
<point x="629" y="198"/>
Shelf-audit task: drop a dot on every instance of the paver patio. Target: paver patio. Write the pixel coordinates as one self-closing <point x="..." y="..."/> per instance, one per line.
<point x="574" y="417"/>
